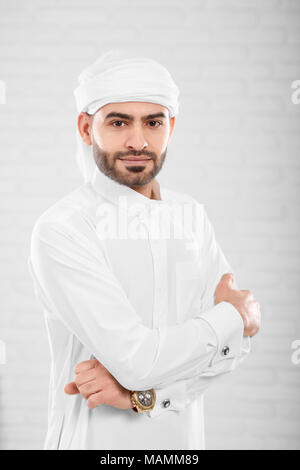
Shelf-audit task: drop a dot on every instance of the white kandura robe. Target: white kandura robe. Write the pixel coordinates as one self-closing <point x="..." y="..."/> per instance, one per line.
<point x="144" y="308"/>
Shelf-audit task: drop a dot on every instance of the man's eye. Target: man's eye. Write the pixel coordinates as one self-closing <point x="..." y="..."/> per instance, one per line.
<point x="115" y="123"/>
<point x="156" y="122"/>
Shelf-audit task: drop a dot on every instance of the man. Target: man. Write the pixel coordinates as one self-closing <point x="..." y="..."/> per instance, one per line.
<point x="139" y="300"/>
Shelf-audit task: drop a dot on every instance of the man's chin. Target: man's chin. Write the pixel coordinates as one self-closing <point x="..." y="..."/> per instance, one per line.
<point x="135" y="179"/>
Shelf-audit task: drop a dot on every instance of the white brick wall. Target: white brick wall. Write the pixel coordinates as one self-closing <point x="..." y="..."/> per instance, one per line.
<point x="235" y="147"/>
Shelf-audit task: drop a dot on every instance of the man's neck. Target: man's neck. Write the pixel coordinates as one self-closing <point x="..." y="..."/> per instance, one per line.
<point x="150" y="190"/>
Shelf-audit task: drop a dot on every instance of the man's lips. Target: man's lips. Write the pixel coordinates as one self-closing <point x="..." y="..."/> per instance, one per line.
<point x="135" y="159"/>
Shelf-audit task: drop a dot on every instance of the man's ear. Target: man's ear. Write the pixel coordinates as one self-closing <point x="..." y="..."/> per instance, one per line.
<point x="84" y="123"/>
<point x="172" y="123"/>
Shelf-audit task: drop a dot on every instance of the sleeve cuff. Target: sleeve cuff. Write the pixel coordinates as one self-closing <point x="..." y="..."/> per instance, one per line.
<point x="232" y="347"/>
<point x="170" y="398"/>
<point x="228" y="326"/>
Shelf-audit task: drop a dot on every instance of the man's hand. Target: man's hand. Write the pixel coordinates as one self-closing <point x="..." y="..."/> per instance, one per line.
<point x="98" y="386"/>
<point x="242" y="300"/>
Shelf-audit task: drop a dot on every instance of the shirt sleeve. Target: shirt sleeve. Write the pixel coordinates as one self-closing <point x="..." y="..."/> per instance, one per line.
<point x="232" y="347"/>
<point x="81" y="289"/>
<point x="215" y="265"/>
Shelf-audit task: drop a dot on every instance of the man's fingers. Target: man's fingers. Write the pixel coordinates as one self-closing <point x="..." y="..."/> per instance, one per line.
<point x="95" y="400"/>
<point x="90" y="388"/>
<point x="228" y="278"/>
<point x="250" y="296"/>
<point x="71" y="388"/>
<point x="85" y="376"/>
<point x="85" y="365"/>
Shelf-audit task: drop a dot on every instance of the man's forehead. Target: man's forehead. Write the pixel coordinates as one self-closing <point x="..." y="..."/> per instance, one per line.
<point x="132" y="110"/>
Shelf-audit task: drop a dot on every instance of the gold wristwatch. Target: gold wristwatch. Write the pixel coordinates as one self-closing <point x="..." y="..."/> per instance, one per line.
<point x="143" y="400"/>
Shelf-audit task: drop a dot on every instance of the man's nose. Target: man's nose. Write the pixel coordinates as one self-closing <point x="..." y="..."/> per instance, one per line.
<point x="136" y="140"/>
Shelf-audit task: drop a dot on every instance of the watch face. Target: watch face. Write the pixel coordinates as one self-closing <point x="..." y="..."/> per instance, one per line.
<point x="145" y="398"/>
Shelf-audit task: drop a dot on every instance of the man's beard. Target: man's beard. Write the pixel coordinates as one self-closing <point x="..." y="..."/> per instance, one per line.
<point x="133" y="175"/>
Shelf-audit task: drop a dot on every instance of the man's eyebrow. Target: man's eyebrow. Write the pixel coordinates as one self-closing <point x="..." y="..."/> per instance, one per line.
<point x="131" y="118"/>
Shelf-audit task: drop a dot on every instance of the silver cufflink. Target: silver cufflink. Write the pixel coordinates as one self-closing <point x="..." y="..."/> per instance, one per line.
<point x="166" y="403"/>
<point x="225" y="350"/>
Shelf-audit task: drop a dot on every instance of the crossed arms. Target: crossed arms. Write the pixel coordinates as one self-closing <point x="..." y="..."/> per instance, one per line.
<point x="86" y="296"/>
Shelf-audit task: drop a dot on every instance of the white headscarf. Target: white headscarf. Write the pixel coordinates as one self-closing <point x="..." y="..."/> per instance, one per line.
<point x="119" y="76"/>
